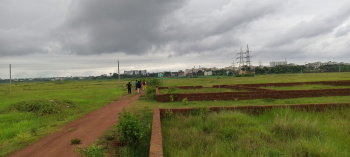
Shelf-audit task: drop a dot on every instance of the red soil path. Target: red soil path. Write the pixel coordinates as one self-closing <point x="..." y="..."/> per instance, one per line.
<point x="87" y="128"/>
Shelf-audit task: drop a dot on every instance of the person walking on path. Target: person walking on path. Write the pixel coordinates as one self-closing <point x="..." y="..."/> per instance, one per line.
<point x="129" y="87"/>
<point x="144" y="84"/>
<point x="138" y="87"/>
<point x="140" y="84"/>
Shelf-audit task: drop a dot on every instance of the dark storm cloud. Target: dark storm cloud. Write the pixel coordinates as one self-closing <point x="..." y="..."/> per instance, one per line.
<point x="24" y="25"/>
<point x="137" y="26"/>
<point x="218" y="30"/>
<point x="129" y="26"/>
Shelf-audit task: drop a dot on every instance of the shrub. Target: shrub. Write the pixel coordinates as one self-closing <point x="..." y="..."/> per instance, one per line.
<point x="75" y="141"/>
<point x="130" y="129"/>
<point x="168" y="114"/>
<point x="151" y="93"/>
<point x="91" y="151"/>
<point x="185" y="101"/>
<point x="154" y="82"/>
<point x="171" y="92"/>
<point x="43" y="107"/>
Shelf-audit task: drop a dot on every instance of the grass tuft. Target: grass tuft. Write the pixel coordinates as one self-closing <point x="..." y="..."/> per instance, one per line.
<point x="279" y="132"/>
<point x="75" y="141"/>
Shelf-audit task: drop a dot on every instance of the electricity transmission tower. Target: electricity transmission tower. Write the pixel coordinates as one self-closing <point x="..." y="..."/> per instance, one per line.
<point x="233" y="63"/>
<point x="240" y="58"/>
<point x="247" y="56"/>
<point x="260" y="63"/>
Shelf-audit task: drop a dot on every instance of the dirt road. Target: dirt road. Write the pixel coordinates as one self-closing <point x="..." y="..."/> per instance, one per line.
<point x="87" y="128"/>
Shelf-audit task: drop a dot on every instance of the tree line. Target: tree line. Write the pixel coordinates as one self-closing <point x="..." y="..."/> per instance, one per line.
<point x="282" y="69"/>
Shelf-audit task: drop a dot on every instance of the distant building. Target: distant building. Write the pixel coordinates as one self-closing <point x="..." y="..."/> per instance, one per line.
<point x="208" y="73"/>
<point x="188" y="71"/>
<point x="231" y="68"/>
<point x="315" y="65"/>
<point x="136" y="72"/>
<point x="330" y="63"/>
<point x="180" y="73"/>
<point x="160" y="74"/>
<point x="273" y="64"/>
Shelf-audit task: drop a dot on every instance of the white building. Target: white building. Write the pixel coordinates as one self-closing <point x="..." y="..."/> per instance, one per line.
<point x="273" y="64"/>
<point x="136" y="72"/>
<point x="208" y="73"/>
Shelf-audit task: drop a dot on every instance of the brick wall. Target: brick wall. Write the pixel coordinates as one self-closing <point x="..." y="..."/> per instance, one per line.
<point x="254" y="92"/>
<point x="156" y="148"/>
<point x="262" y="108"/>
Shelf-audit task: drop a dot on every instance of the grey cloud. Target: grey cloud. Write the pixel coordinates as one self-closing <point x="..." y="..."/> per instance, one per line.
<point x="114" y="25"/>
<point x="136" y="26"/>
<point x="342" y="31"/>
<point x="18" y="42"/>
<point x="24" y="25"/>
<point x="320" y="25"/>
<point x="217" y="30"/>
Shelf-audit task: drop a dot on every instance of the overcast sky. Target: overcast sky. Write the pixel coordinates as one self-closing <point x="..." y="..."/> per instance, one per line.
<point x="50" y="38"/>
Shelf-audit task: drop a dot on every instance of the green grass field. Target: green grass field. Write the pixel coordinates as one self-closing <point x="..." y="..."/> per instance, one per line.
<point x="201" y="90"/>
<point x="33" y="110"/>
<point x="146" y="106"/>
<point x="281" y="78"/>
<point x="307" y="87"/>
<point x="280" y="132"/>
<point x="20" y="125"/>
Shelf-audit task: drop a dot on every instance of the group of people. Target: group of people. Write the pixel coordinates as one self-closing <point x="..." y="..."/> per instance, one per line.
<point x="138" y="86"/>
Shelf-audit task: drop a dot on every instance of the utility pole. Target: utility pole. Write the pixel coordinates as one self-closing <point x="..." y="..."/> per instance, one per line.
<point x="10" y="78"/>
<point x="118" y="73"/>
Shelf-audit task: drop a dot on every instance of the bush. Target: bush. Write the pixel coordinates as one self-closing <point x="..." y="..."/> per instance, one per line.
<point x="130" y="129"/>
<point x="75" y="141"/>
<point x="172" y="93"/>
<point x="151" y="93"/>
<point x="92" y="151"/>
<point x="185" y="101"/>
<point x="154" y="82"/>
<point x="43" y="107"/>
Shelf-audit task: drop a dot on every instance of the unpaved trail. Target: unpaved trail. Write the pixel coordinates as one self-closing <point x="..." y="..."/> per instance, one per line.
<point x="87" y="128"/>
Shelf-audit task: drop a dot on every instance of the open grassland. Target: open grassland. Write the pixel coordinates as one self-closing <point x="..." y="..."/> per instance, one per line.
<point x="144" y="108"/>
<point x="33" y="110"/>
<point x="149" y="102"/>
<point x="201" y="90"/>
<point x="281" y="78"/>
<point x="307" y="87"/>
<point x="279" y="132"/>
